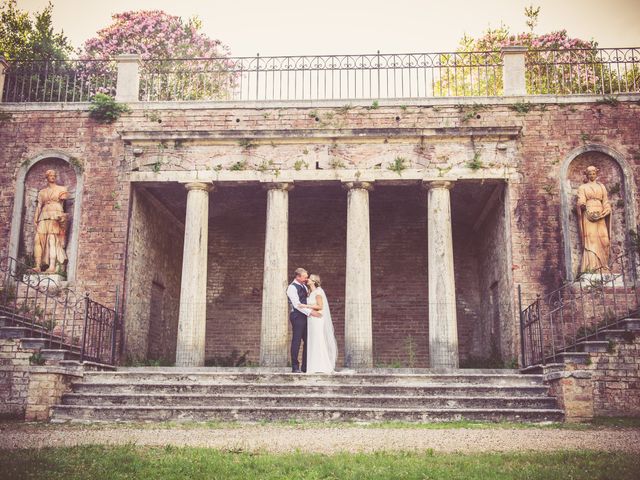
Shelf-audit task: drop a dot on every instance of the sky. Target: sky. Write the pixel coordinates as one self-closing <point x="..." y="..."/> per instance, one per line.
<point x="313" y="27"/>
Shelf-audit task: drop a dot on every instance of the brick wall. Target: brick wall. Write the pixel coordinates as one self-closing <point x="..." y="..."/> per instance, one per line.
<point x="497" y="331"/>
<point x="105" y="198"/>
<point x="549" y="132"/>
<point x="317" y="242"/>
<point x="548" y="136"/>
<point x="28" y="391"/>
<point x="606" y="385"/>
<point x="616" y="379"/>
<point x="154" y="258"/>
<point x="14" y="378"/>
<point x="234" y="280"/>
<point x="399" y="276"/>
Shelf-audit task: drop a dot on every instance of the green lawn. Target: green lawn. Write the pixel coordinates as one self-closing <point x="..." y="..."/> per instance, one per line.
<point x="131" y="462"/>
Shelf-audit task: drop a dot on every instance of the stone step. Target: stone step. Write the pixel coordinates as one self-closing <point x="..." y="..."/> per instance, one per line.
<point x="86" y="365"/>
<point x="6" y="322"/>
<point x="304" y="400"/>
<point x="58" y="354"/>
<point x="574" y="357"/>
<point x="14" y="332"/>
<point x="593" y="346"/>
<point x="344" y="371"/>
<point x="615" y="334"/>
<point x="34" y="330"/>
<point x="111" y="413"/>
<point x="26" y="330"/>
<point x="34" y="343"/>
<point x="539" y="369"/>
<point x="242" y="388"/>
<point x="204" y="376"/>
<point x="631" y="324"/>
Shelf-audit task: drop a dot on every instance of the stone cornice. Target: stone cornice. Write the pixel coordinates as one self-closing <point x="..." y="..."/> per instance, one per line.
<point x="266" y="104"/>
<point x="408" y="176"/>
<point x="317" y="134"/>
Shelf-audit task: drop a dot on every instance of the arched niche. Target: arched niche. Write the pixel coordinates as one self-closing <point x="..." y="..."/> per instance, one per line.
<point x="616" y="175"/>
<point x="29" y="180"/>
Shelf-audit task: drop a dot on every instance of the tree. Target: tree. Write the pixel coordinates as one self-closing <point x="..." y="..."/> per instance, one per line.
<point x="179" y="62"/>
<point x="25" y="38"/>
<point x="38" y="56"/>
<point x="555" y="62"/>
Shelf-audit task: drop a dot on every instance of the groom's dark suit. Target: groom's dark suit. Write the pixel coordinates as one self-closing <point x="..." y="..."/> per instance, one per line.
<point x="299" y="325"/>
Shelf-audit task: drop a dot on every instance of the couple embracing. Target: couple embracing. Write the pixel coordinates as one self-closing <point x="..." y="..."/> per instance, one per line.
<point x="311" y="321"/>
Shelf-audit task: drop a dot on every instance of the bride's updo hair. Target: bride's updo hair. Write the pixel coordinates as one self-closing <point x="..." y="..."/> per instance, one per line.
<point x="315" y="279"/>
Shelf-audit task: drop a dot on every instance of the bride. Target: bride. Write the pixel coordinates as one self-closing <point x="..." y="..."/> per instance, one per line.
<point x="322" y="348"/>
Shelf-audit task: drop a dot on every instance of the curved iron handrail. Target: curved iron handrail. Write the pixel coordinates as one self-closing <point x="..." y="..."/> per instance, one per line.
<point x="579" y="311"/>
<point x="56" y="313"/>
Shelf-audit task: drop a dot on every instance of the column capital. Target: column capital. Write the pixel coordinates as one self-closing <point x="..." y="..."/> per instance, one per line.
<point x="357" y="185"/>
<point x="207" y="187"/>
<point x="514" y="49"/>
<point x="128" y="57"/>
<point x="433" y="184"/>
<point x="285" y="186"/>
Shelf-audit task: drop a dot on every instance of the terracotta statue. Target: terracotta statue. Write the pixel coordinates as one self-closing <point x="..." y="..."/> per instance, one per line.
<point x="594" y="219"/>
<point x="51" y="224"/>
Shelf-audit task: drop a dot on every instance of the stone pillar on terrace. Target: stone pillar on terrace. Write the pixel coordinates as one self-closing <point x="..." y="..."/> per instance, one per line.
<point x="3" y="69"/>
<point x="513" y="70"/>
<point x="358" y="332"/>
<point x="128" y="80"/>
<point x="443" y="328"/>
<point x="275" y="323"/>
<point x="193" y="292"/>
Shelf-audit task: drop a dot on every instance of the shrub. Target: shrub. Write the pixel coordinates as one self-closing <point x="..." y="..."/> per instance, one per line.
<point x="105" y="109"/>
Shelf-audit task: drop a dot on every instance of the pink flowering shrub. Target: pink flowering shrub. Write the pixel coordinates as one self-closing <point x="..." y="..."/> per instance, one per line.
<point x="555" y="64"/>
<point x="495" y="40"/>
<point x="153" y="34"/>
<point x="178" y="61"/>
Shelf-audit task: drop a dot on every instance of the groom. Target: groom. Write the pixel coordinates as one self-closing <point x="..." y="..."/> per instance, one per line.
<point x="297" y="294"/>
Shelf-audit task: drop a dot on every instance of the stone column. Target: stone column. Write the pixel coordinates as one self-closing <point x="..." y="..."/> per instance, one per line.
<point x="193" y="292"/>
<point x="128" y="80"/>
<point x="275" y="323"/>
<point x="358" y="335"/>
<point x="443" y="328"/>
<point x="513" y="70"/>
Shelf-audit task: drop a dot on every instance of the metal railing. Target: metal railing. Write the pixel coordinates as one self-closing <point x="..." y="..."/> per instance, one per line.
<point x="591" y="71"/>
<point x="579" y="311"/>
<point x="600" y="71"/>
<point x="58" y="80"/>
<point x="323" y="77"/>
<point x="58" y="315"/>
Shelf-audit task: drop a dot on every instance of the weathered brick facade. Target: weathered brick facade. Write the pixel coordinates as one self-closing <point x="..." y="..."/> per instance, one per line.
<point x="616" y="379"/>
<point x="606" y="384"/>
<point x="519" y="241"/>
<point x="154" y="270"/>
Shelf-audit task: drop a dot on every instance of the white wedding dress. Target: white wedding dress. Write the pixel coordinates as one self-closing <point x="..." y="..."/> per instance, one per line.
<point x="322" y="348"/>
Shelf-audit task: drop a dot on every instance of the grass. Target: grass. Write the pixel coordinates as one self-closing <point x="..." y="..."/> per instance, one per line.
<point x="597" y="423"/>
<point x="399" y="165"/>
<point x="131" y="462"/>
<point x="521" y="107"/>
<point x="475" y="163"/>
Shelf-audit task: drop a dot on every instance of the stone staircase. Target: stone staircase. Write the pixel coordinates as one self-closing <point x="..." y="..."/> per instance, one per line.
<point x="259" y="394"/>
<point x="597" y="342"/>
<point x="51" y="347"/>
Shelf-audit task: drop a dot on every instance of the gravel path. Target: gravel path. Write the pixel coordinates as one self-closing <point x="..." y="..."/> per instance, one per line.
<point x="279" y="439"/>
